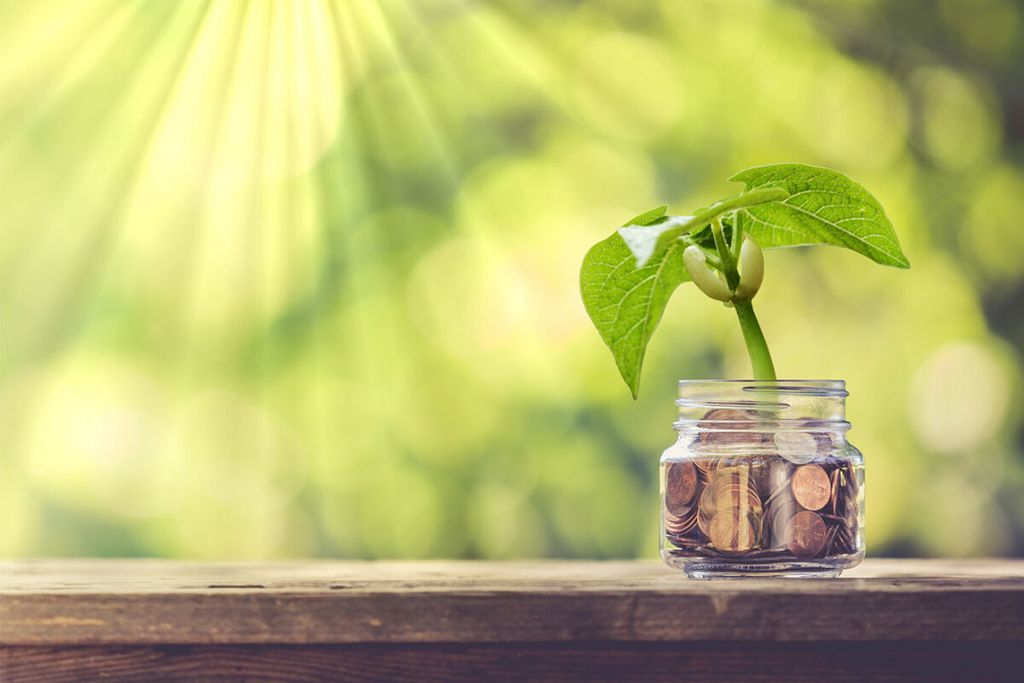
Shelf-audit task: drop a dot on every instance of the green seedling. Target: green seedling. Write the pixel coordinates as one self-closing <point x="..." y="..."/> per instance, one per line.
<point x="627" y="279"/>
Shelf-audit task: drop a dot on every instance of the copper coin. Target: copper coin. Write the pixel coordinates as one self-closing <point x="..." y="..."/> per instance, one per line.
<point x="731" y="532"/>
<point x="705" y="468"/>
<point x="847" y="539"/>
<point x="851" y="519"/>
<point x="796" y="447"/>
<point x="727" y="415"/>
<point x="673" y="524"/>
<point x="680" y="486"/>
<point x="689" y="523"/>
<point x="680" y="525"/>
<point x="706" y="509"/>
<point x="811" y="486"/>
<point x="836" y="474"/>
<point x="683" y="542"/>
<point x="805" y="534"/>
<point x="761" y="477"/>
<point x="734" y="476"/>
<point x="852" y="486"/>
<point x="737" y="497"/>
<point x="707" y="504"/>
<point x="726" y="426"/>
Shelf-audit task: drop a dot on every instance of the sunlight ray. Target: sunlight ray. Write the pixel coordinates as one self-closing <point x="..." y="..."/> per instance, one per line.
<point x="431" y="123"/>
<point x="102" y="200"/>
<point x="522" y="53"/>
<point x="213" y="273"/>
<point x="27" y="60"/>
<point x="370" y="338"/>
<point x="88" y="59"/>
<point x="260" y="215"/>
<point x="35" y="120"/>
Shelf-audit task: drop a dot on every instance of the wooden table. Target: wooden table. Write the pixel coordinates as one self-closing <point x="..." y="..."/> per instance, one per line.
<point x="438" y="621"/>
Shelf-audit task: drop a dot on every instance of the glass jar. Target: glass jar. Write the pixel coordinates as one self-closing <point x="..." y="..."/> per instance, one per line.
<point x="761" y="481"/>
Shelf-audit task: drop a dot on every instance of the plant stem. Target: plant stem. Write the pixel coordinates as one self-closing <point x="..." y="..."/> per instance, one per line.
<point x="757" y="347"/>
<point x="737" y="238"/>
<point x="764" y="195"/>
<point x="732" y="276"/>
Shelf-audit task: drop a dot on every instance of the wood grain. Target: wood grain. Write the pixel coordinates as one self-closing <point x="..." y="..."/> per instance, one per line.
<point x="152" y="602"/>
<point x="618" y="662"/>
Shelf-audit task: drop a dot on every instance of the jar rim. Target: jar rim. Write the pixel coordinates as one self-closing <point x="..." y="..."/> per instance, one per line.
<point x="762" y="381"/>
<point x="775" y="405"/>
<point x="822" y="388"/>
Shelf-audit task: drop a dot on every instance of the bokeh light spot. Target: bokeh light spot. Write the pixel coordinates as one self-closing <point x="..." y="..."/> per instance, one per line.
<point x="959" y="398"/>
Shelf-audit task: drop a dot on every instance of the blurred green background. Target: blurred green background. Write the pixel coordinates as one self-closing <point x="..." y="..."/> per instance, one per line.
<point x="288" y="279"/>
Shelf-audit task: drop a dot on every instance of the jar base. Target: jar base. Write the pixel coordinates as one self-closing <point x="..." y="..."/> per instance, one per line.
<point x="706" y="568"/>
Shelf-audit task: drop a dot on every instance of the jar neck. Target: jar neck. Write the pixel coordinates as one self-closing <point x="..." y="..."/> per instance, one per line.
<point x="762" y="406"/>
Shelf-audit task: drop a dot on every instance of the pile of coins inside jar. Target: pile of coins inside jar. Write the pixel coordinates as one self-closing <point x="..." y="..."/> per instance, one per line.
<point x="788" y="499"/>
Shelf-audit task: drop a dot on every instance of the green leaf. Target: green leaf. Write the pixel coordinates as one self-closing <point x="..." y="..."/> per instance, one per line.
<point x="648" y="217"/>
<point x="642" y="240"/>
<point x="668" y="229"/>
<point x="626" y="302"/>
<point x="823" y="207"/>
<point x="706" y="239"/>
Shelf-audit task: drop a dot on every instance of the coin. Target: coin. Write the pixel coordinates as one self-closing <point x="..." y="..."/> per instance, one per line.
<point x="727" y="426"/>
<point x="761" y="476"/>
<point x="836" y="475"/>
<point x="731" y="532"/>
<point x="796" y="447"/>
<point x="777" y="521"/>
<point x="811" y="486"/>
<point x="852" y="488"/>
<point x="727" y="475"/>
<point x="734" y="489"/>
<point x="738" y="497"/>
<point x="825" y="441"/>
<point x="680" y="486"/>
<point x="680" y="525"/>
<point x="705" y="467"/>
<point x="848" y="538"/>
<point x="844" y="492"/>
<point x="727" y="415"/>
<point x="838" y="541"/>
<point x="706" y="509"/>
<point x="778" y="481"/>
<point x="683" y="542"/>
<point x="805" y="534"/>
<point x="765" y="553"/>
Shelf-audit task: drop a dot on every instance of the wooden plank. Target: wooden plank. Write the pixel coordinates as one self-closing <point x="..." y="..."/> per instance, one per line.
<point x="157" y="602"/>
<point x="618" y="662"/>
